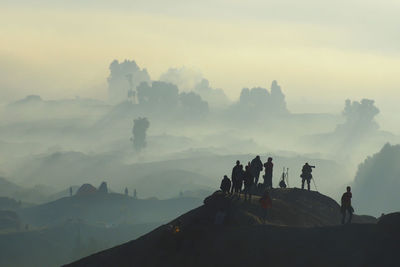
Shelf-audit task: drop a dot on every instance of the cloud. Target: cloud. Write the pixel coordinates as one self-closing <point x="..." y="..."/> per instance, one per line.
<point x="185" y="78"/>
<point x="188" y="80"/>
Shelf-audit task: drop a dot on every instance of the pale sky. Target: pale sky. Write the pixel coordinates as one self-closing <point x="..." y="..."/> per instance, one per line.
<point x="323" y="51"/>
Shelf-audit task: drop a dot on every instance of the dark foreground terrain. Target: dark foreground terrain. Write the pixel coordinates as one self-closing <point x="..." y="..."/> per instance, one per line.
<point x="302" y="229"/>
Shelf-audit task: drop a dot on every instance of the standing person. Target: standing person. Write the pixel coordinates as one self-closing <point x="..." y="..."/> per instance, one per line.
<point x="306" y="175"/>
<point x="225" y="184"/>
<point x="268" y="173"/>
<point x="248" y="183"/>
<point x="240" y="179"/>
<point x="266" y="203"/>
<point x="256" y="167"/>
<point x="346" y="205"/>
<point x="236" y="176"/>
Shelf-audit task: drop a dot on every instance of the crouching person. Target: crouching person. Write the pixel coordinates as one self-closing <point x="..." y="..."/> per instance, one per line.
<point x="225" y="184"/>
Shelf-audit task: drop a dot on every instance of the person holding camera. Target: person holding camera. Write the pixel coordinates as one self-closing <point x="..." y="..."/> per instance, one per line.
<point x="306" y="175"/>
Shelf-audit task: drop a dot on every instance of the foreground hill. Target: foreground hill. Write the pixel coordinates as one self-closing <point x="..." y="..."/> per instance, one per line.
<point x="301" y="230"/>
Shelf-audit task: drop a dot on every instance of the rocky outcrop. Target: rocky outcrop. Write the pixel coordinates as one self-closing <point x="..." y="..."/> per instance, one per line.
<point x="86" y="189"/>
<point x="103" y="188"/>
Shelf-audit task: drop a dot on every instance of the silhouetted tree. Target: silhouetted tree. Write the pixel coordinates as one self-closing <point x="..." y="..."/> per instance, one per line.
<point x="360" y="115"/>
<point x="278" y="98"/>
<point x="214" y="97"/>
<point x="123" y="78"/>
<point x="259" y="100"/>
<point x="191" y="80"/>
<point x="192" y="104"/>
<point x="140" y="126"/>
<point x="159" y="96"/>
<point x="376" y="184"/>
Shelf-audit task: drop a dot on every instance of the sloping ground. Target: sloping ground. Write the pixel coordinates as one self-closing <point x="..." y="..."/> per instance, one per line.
<point x="296" y="207"/>
<point x="245" y="239"/>
<point x="290" y="207"/>
<point x="351" y="245"/>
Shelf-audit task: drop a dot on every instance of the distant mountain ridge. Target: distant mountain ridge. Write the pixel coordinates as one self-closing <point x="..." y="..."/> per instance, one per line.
<point x="102" y="208"/>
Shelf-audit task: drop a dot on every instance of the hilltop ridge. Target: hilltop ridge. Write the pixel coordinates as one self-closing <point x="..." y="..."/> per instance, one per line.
<point x="302" y="229"/>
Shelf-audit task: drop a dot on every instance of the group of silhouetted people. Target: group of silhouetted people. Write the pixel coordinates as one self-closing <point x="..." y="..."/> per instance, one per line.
<point x="250" y="175"/>
<point x="247" y="178"/>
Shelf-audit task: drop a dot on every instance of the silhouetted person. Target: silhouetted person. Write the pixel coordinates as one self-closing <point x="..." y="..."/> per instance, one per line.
<point x="240" y="179"/>
<point x="135" y="194"/>
<point x="248" y="182"/>
<point x="266" y="203"/>
<point x="268" y="173"/>
<point x="256" y="167"/>
<point x="70" y="191"/>
<point x="126" y="191"/>
<point x="306" y="175"/>
<point x="236" y="176"/>
<point x="225" y="184"/>
<point x="346" y="205"/>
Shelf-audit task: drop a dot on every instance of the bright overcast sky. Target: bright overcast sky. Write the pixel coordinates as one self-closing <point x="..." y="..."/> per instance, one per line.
<point x="317" y="50"/>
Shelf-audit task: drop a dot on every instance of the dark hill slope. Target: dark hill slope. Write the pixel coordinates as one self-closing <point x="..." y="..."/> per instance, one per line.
<point x="351" y="245"/>
<point x="245" y="239"/>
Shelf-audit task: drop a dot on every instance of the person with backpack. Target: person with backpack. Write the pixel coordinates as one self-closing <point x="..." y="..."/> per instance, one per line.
<point x="266" y="203"/>
<point x="306" y="175"/>
<point x="346" y="205"/>
<point x="256" y="167"/>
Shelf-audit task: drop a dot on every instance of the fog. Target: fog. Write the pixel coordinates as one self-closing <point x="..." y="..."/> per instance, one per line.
<point x="116" y="118"/>
<point x="55" y="144"/>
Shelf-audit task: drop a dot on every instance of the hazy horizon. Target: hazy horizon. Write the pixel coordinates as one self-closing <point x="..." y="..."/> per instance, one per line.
<point x="320" y="52"/>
